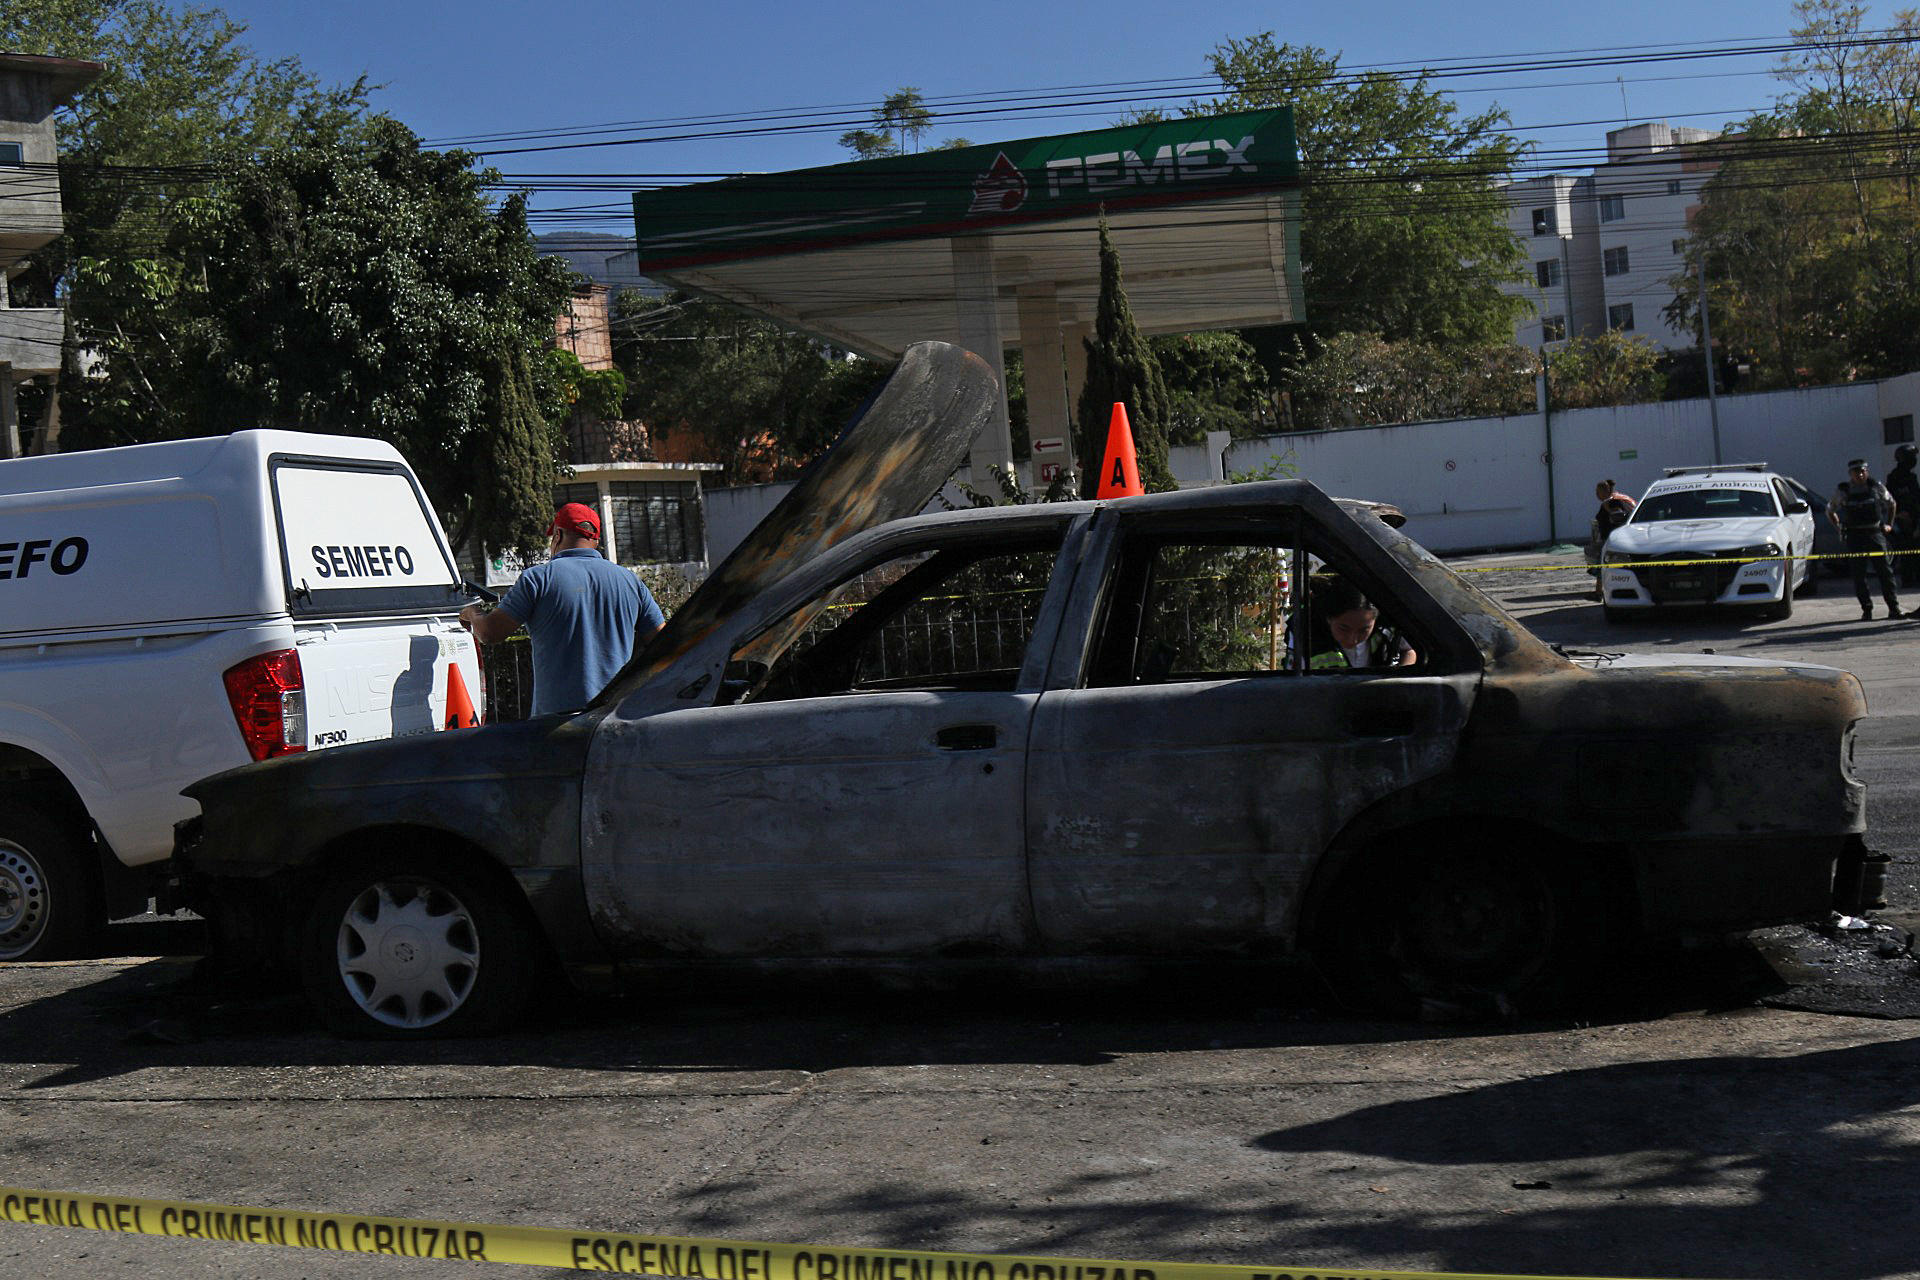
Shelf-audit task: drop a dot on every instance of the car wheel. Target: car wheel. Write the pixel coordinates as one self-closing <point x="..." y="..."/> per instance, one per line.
<point x="415" y="947"/>
<point x="1810" y="585"/>
<point x="1483" y="920"/>
<point x="1783" y="608"/>
<point x="1484" y="930"/>
<point x="49" y="906"/>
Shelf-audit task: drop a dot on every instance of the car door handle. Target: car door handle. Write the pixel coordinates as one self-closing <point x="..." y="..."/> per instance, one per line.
<point x="966" y="737"/>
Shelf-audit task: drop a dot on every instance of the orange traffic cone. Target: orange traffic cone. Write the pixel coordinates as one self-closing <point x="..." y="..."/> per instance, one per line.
<point x="1120" y="473"/>
<point x="459" y="706"/>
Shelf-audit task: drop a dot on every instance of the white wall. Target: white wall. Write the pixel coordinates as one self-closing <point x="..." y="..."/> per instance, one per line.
<point x="1482" y="482"/>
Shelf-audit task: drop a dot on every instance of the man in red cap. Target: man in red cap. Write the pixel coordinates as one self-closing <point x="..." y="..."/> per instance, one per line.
<point x="583" y="613"/>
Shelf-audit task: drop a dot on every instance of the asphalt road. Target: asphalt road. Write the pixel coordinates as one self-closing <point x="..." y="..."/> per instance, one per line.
<point x="1699" y="1125"/>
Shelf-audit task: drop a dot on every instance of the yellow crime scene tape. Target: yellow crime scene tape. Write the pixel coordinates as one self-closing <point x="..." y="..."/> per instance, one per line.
<point x="677" y="1257"/>
<point x="1668" y="564"/>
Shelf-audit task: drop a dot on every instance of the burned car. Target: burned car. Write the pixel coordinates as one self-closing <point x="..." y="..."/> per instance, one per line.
<point x="1069" y="729"/>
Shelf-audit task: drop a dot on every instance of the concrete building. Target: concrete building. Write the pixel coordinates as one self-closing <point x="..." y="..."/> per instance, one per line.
<point x="584" y="329"/>
<point x="1604" y="247"/>
<point x="31" y="89"/>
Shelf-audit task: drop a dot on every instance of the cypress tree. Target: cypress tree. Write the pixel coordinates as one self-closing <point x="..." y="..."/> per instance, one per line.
<point x="1121" y="368"/>
<point x="513" y="463"/>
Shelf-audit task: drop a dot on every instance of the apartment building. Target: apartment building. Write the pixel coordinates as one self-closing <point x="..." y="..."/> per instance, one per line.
<point x="1604" y="247"/>
<point x="32" y="88"/>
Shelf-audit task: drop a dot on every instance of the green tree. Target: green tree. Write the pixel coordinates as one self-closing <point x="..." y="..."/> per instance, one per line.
<point x="1120" y="370"/>
<point x="1361" y="379"/>
<point x="358" y="283"/>
<point x="1810" y="229"/>
<point x="1612" y="368"/>
<point x="904" y="113"/>
<point x="180" y="106"/>
<point x="513" y="466"/>
<point x="899" y="123"/>
<point x="719" y="385"/>
<point x="1404" y="230"/>
<point x="1215" y="382"/>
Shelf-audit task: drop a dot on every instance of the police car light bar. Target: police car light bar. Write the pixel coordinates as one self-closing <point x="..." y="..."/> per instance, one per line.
<point x="1700" y="471"/>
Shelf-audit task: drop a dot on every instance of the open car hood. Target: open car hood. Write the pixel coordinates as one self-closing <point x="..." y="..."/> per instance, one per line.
<point x="889" y="462"/>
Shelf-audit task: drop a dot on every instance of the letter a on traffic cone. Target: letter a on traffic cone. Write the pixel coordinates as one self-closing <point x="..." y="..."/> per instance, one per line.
<point x="1120" y="473"/>
<point x="459" y="706"/>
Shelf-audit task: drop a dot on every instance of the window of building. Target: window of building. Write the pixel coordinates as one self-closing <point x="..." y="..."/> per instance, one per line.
<point x="1673" y="186"/>
<point x="1547" y="272"/>
<point x="10" y="153"/>
<point x="1679" y="248"/>
<point x="655" y="522"/>
<point x="585" y="494"/>
<point x="1621" y="317"/>
<point x="1553" y="328"/>
<point x="1614" y="261"/>
<point x="1898" y="430"/>
<point x="1613" y="208"/>
<point x="1545" y="223"/>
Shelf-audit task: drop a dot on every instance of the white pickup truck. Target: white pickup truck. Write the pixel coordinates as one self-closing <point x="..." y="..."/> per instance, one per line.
<point x="168" y="611"/>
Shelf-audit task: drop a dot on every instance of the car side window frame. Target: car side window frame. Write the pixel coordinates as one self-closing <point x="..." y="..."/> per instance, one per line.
<point x="1114" y="543"/>
<point x="1040" y="638"/>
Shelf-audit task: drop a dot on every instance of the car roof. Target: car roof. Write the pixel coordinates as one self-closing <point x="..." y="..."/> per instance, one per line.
<point x="1743" y="478"/>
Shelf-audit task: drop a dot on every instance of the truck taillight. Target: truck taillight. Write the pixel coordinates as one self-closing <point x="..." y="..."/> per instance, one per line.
<point x="270" y="702"/>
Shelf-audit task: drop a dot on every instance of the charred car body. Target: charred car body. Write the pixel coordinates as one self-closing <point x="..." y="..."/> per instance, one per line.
<point x="1060" y="729"/>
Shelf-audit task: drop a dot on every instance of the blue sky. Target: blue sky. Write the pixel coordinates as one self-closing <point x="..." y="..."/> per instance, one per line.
<point x="456" y="68"/>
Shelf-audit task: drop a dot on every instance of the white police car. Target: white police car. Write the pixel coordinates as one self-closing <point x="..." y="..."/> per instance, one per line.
<point x="1712" y="535"/>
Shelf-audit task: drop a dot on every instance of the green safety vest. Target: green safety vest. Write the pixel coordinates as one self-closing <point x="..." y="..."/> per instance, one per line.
<point x="1383" y="646"/>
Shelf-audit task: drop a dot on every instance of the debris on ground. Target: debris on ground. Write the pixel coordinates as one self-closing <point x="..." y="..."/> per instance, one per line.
<point x="1851" y="964"/>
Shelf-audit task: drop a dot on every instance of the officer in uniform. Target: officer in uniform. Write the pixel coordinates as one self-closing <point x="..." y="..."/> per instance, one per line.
<point x="1863" y="510"/>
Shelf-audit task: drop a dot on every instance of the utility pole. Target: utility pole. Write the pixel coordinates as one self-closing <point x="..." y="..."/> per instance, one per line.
<point x="9" y="414"/>
<point x="1706" y="353"/>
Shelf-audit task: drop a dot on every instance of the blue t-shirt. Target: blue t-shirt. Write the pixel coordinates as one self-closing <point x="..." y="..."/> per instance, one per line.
<point x="580" y="610"/>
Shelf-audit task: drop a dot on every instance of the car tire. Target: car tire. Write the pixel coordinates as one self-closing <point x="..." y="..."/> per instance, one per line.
<point x="1485" y="930"/>
<point x="416" y="946"/>
<point x="49" y="897"/>
<point x="1783" y="607"/>
<point x="1810" y="585"/>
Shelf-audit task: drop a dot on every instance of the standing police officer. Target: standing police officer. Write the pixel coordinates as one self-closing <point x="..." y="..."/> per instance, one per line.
<point x="1863" y="510"/>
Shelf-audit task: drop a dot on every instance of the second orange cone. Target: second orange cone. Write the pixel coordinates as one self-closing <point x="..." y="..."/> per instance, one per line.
<point x="1120" y="472"/>
<point x="460" y="714"/>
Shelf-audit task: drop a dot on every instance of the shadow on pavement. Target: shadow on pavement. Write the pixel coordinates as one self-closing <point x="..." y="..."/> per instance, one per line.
<point x="1768" y="1166"/>
<point x="166" y="1012"/>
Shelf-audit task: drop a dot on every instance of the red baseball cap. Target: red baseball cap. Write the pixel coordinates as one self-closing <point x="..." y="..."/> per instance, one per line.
<point x="577" y="517"/>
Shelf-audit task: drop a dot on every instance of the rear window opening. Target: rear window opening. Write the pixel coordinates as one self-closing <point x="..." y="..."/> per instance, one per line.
<point x="359" y="538"/>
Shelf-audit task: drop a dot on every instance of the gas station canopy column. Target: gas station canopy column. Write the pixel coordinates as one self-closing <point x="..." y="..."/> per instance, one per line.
<point x="972" y="244"/>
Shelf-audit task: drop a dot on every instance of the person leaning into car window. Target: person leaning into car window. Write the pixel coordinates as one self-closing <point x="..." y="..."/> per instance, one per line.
<point x="583" y="613"/>
<point x="1864" y="511"/>
<point x="1344" y="630"/>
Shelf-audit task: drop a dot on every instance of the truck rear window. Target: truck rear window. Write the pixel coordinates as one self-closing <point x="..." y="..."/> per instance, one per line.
<point x="359" y="538"/>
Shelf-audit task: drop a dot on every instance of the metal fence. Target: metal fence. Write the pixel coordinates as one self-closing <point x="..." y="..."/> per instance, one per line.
<point x="509" y="671"/>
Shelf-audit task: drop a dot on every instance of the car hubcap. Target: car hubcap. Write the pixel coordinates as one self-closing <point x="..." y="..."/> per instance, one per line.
<point x="1480" y="921"/>
<point x="408" y="952"/>
<point x="23" y="901"/>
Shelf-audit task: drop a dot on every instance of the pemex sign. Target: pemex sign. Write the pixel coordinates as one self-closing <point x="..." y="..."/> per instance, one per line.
<point x="967" y="189"/>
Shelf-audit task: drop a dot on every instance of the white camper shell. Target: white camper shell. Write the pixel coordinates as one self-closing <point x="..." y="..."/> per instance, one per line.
<point x="168" y="611"/>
